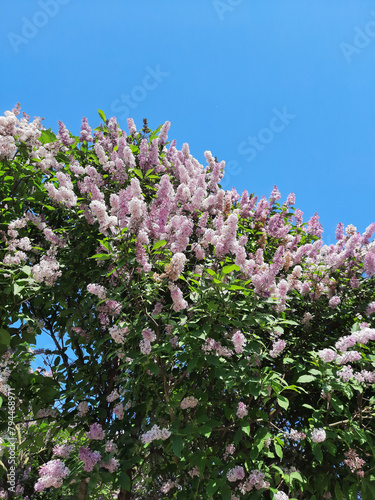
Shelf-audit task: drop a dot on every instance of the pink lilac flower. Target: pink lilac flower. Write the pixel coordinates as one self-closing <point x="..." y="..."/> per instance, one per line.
<point x="97" y="290"/>
<point x="280" y="495"/>
<point x="340" y="231"/>
<point x="166" y="487"/>
<point x="189" y="402"/>
<point x="111" y="447"/>
<point x="239" y="342"/>
<point x="89" y="458"/>
<point x="242" y="410"/>
<point x="370" y="309"/>
<point x="148" y="335"/>
<point x="194" y="471"/>
<point x="344" y="343"/>
<point x="318" y="435"/>
<point x="51" y="474"/>
<point x="155" y="433"/>
<point x="145" y="347"/>
<point x="291" y="199"/>
<point x="230" y="449"/>
<point x="346" y="373"/>
<point x="111" y="465"/>
<point x="157" y="309"/>
<point x="295" y="435"/>
<point x="83" y="408"/>
<point x="85" y="131"/>
<point x="334" y="301"/>
<point x="369" y="263"/>
<point x="176" y="266"/>
<point x="113" y="396"/>
<point x="327" y="355"/>
<point x="314" y="227"/>
<point x="118" y="410"/>
<point x="235" y="474"/>
<point x="118" y="334"/>
<point x="277" y="348"/>
<point x="96" y="432"/>
<point x="354" y="462"/>
<point x="348" y="357"/>
<point x="62" y="450"/>
<point x="179" y="302"/>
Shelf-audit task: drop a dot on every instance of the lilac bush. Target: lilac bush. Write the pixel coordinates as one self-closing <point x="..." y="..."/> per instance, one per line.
<point x="207" y="344"/>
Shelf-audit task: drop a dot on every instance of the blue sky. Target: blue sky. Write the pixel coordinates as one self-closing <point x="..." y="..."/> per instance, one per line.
<point x="222" y="72"/>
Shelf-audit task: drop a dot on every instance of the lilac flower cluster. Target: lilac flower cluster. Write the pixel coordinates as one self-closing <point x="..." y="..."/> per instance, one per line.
<point x="189" y="402"/>
<point x="51" y="475"/>
<point x="318" y="435"/>
<point x="242" y="410"/>
<point x="355" y="463"/>
<point x="155" y="433"/>
<point x="89" y="458"/>
<point x="96" y="432"/>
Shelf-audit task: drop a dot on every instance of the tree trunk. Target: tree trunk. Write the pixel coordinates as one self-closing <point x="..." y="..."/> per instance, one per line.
<point x="124" y="495"/>
<point x="82" y="490"/>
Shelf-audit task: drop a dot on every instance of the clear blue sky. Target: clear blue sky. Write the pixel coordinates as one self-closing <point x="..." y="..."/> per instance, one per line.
<point x="221" y="72"/>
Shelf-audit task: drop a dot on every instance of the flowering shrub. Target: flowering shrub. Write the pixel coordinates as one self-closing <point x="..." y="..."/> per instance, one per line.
<point x="207" y="343"/>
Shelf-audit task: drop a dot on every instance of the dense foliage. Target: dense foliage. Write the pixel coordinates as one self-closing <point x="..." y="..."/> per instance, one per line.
<point x="206" y="344"/>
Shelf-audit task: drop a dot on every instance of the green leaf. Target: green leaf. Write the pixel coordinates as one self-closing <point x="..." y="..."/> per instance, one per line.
<point x="229" y="269"/>
<point x="317" y="451"/>
<point x="205" y="430"/>
<point x="212" y="487"/>
<point x="102" y="115"/>
<point x="138" y="173"/>
<point x="177" y="445"/>
<point x="246" y="429"/>
<point x="101" y="256"/>
<point x="304" y="379"/>
<point x="226" y="493"/>
<point x="124" y="481"/>
<point x="283" y="401"/>
<point x="278" y="450"/>
<point x="159" y="244"/>
<point x="4" y="337"/>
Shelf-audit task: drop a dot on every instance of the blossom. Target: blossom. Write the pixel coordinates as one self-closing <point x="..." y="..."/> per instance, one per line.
<point x="318" y="435"/>
<point x="242" y="410"/>
<point x="189" y="402"/>
<point x="295" y="435"/>
<point x="83" y="408"/>
<point x="280" y="495"/>
<point x="239" y="341"/>
<point x="148" y="335"/>
<point x="327" y="355"/>
<point x="113" y="396"/>
<point x="155" y="433"/>
<point x="118" y="410"/>
<point x="353" y="461"/>
<point x="235" y="474"/>
<point x="176" y="266"/>
<point x="277" y="348"/>
<point x="334" y="301"/>
<point x="62" y="450"/>
<point x="111" y="465"/>
<point x="89" y="458"/>
<point x="97" y="290"/>
<point x="96" y="432"/>
<point x="51" y="474"/>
